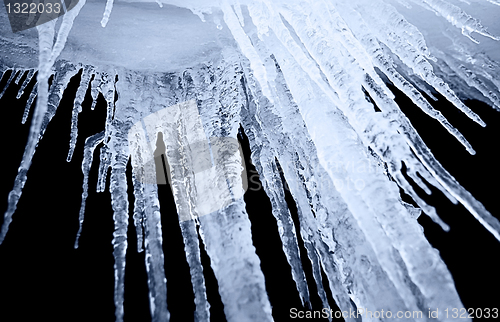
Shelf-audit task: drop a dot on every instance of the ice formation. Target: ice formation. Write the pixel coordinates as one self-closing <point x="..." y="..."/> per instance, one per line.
<point x="301" y="79"/>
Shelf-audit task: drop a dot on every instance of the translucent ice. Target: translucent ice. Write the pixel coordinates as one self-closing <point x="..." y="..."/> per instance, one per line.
<point x="303" y="80"/>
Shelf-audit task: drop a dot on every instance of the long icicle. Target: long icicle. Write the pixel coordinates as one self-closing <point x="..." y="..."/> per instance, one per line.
<point x="147" y="217"/>
<point x="119" y="202"/>
<point x="88" y="153"/>
<point x="77" y="108"/>
<point x="19" y="77"/>
<point x="29" y="103"/>
<point x="46" y="36"/>
<point x="48" y="53"/>
<point x="9" y="80"/>
<point x="193" y="257"/>
<point x="27" y="80"/>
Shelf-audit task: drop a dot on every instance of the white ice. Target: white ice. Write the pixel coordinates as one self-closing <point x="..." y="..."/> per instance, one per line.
<point x="295" y="76"/>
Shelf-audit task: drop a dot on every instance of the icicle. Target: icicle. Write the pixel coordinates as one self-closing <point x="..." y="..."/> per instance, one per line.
<point x="301" y="95"/>
<point x="310" y="227"/>
<point x="48" y="54"/>
<point x="154" y="256"/>
<point x="301" y="182"/>
<point x="64" y="29"/>
<point x="399" y="45"/>
<point x="38" y="127"/>
<point x="77" y="108"/>
<point x="375" y="130"/>
<point x="312" y="243"/>
<point x="239" y="14"/>
<point x="385" y="64"/>
<point x="105" y="83"/>
<point x="472" y="80"/>
<point x="370" y="227"/>
<point x="389" y="107"/>
<point x="394" y="21"/>
<point x="107" y="13"/>
<point x="444" y="177"/>
<point x="492" y="68"/>
<point x="308" y="230"/>
<point x="95" y="88"/>
<point x="88" y="153"/>
<point x="46" y="35"/>
<point x="425" y="71"/>
<point x="287" y="233"/>
<point x="447" y="181"/>
<point x="11" y="77"/>
<point x="193" y="256"/>
<point x="140" y="168"/>
<point x="139" y="207"/>
<point x="342" y="34"/>
<point x="186" y="187"/>
<point x="458" y="18"/>
<point x="119" y="202"/>
<point x="107" y="88"/>
<point x="422" y="103"/>
<point x="147" y="218"/>
<point x="339" y="282"/>
<point x="310" y="109"/>
<point x="230" y="76"/>
<point x="422" y="86"/>
<point x="104" y="165"/>
<point x="31" y="98"/>
<point x="274" y="190"/>
<point x="27" y="80"/>
<point x="235" y="265"/>
<point x="283" y="34"/>
<point x="247" y="49"/>
<point x="19" y="77"/>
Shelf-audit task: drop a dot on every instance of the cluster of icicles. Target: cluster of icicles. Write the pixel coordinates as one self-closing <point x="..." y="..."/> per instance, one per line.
<point x="297" y="79"/>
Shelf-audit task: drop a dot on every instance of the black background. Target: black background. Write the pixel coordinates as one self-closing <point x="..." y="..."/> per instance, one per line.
<point x="43" y="278"/>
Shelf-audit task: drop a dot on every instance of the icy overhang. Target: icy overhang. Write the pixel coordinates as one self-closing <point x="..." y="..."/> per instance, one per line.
<point x="169" y="35"/>
<point x="138" y="36"/>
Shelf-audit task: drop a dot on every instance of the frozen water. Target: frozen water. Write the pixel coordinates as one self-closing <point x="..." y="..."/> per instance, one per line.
<point x="303" y="79"/>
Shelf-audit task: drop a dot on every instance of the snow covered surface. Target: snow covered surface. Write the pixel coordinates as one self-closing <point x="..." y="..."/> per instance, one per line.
<point x="301" y="78"/>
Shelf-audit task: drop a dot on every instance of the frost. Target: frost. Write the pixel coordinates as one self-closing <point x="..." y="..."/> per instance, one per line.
<point x="302" y="80"/>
